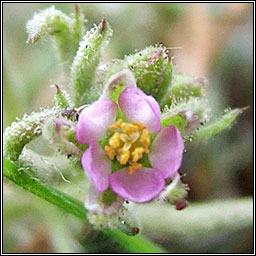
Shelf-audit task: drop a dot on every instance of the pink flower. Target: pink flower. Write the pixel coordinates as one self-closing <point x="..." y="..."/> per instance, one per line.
<point x="129" y="142"/>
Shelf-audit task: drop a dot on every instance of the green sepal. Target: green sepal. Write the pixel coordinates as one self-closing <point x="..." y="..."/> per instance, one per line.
<point x="176" y="120"/>
<point x="187" y="115"/>
<point x="108" y="197"/>
<point x="178" y="194"/>
<point x="61" y="98"/>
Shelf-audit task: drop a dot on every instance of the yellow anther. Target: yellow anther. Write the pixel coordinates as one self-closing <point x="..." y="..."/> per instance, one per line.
<point x="114" y="141"/>
<point x="140" y="126"/>
<point x="124" y="137"/>
<point x="116" y="125"/>
<point x="129" y="128"/>
<point x="145" y="138"/>
<point x="126" y="146"/>
<point x="134" y="136"/>
<point x="135" y="166"/>
<point x="137" y="154"/>
<point x="146" y="150"/>
<point x="110" y="152"/>
<point x="124" y="157"/>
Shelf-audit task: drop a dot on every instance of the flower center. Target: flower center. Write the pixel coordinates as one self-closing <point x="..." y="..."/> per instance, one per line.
<point x="129" y="142"/>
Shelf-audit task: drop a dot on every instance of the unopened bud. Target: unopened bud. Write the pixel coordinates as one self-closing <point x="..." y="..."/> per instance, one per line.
<point x="184" y="86"/>
<point x="86" y="61"/>
<point x="152" y="70"/>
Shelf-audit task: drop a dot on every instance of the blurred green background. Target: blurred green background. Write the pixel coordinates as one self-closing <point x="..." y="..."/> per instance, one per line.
<point x="211" y="40"/>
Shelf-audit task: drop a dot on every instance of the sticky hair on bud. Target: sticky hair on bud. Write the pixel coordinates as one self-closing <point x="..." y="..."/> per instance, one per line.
<point x="25" y="130"/>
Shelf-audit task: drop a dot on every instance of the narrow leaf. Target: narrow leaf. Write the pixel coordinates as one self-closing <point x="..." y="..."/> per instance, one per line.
<point x="213" y="128"/>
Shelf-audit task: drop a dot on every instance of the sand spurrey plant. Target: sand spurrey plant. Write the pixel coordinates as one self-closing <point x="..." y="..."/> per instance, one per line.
<point x="125" y="123"/>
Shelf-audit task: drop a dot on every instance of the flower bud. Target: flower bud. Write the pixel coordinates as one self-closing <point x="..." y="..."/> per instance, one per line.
<point x="184" y="86"/>
<point x="175" y="193"/>
<point x="61" y="134"/>
<point x="25" y="130"/>
<point x="152" y="70"/>
<point x="86" y="61"/>
<point x="66" y="31"/>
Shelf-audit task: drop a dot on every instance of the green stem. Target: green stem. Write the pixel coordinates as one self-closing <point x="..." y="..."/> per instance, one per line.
<point x="20" y="177"/>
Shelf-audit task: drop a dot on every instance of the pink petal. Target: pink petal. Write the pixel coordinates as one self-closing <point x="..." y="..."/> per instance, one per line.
<point x="94" y="121"/>
<point x="167" y="151"/>
<point x="97" y="165"/>
<point x="141" y="186"/>
<point x="137" y="106"/>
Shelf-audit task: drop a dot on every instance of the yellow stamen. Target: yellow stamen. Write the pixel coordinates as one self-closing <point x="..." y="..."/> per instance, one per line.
<point x="116" y="125"/>
<point x="114" y="141"/>
<point x="134" y="136"/>
<point x="124" y="157"/>
<point x="145" y="138"/>
<point x="110" y="152"/>
<point x="140" y="126"/>
<point x="146" y="151"/>
<point x="135" y="166"/>
<point x="124" y="137"/>
<point x="129" y="142"/>
<point x="137" y="154"/>
<point x="126" y="146"/>
<point x="129" y="128"/>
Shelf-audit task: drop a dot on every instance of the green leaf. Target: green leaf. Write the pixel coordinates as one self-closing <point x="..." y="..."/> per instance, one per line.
<point x="213" y="128"/>
<point x="22" y="178"/>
